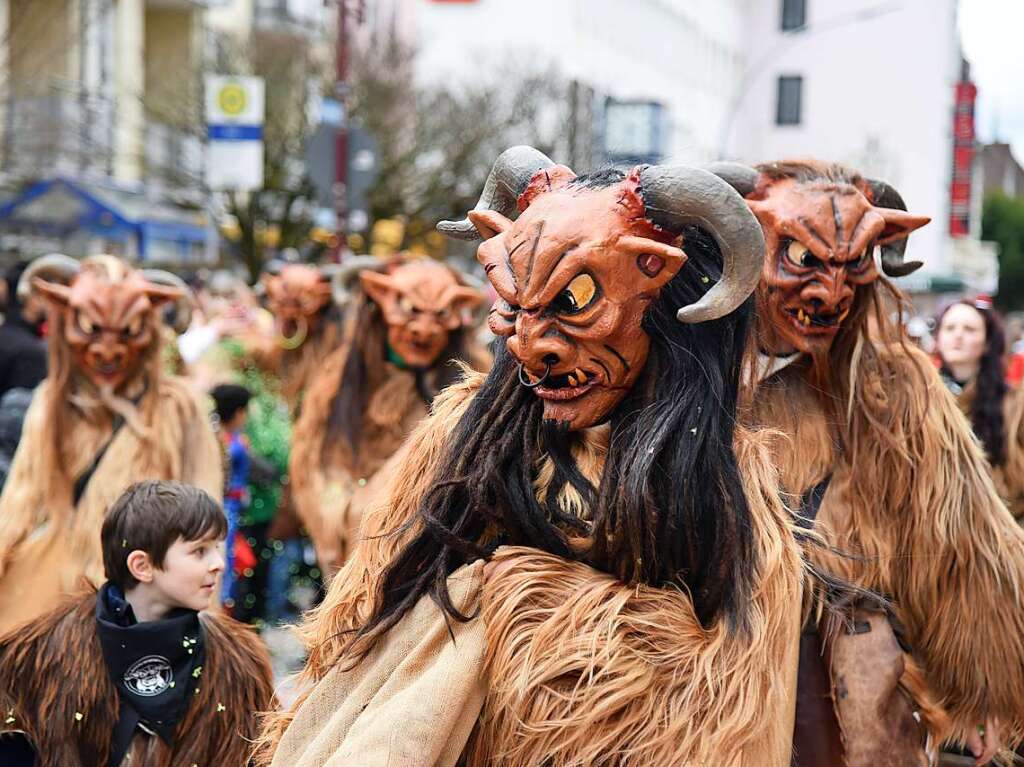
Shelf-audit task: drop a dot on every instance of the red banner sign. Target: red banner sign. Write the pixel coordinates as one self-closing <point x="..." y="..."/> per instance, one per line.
<point x="963" y="159"/>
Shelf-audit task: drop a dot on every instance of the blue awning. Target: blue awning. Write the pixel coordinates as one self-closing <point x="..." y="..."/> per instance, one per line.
<point x="59" y="207"/>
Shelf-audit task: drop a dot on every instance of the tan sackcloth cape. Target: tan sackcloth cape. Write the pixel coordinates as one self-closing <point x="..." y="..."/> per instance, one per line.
<point x="46" y="546"/>
<point x="926" y="528"/>
<point x="578" y="668"/>
<point x="1009" y="477"/>
<point x="55" y="687"/>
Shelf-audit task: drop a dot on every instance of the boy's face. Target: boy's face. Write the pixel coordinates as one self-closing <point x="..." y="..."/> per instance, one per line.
<point x="188" y="577"/>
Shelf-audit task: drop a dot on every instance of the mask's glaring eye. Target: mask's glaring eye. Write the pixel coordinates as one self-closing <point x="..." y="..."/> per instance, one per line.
<point x="134" y="327"/>
<point x="798" y="255"/>
<point x="85" y="325"/>
<point x="406" y="305"/>
<point x="577" y="296"/>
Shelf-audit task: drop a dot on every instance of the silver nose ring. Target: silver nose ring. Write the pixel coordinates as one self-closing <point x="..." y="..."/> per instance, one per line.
<point x="525" y="381"/>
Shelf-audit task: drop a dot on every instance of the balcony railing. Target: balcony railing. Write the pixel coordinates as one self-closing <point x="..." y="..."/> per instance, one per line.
<point x="60" y="130"/>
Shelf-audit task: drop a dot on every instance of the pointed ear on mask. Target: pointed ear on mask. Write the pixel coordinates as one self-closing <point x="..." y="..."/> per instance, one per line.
<point x="655" y="262"/>
<point x="489" y="222"/>
<point x="463" y="300"/>
<point x="898" y="224"/>
<point x="379" y="288"/>
<point x="54" y="293"/>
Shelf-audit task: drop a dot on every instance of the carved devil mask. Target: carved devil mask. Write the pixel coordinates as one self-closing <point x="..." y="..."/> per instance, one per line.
<point x="576" y="271"/>
<point x="297" y="296"/>
<point x="107" y="312"/>
<point x="821" y="226"/>
<point x="422" y="303"/>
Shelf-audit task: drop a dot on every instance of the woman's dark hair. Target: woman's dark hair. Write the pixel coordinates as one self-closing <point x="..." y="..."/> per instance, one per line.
<point x="669" y="508"/>
<point x="990" y="386"/>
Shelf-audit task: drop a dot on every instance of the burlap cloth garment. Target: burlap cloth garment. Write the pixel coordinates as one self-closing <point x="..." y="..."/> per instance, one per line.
<point x="412" y="702"/>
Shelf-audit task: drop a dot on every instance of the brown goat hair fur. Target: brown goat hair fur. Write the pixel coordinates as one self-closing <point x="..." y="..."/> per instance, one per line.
<point x="55" y="687"/>
<point x="916" y="517"/>
<point x="581" y="668"/>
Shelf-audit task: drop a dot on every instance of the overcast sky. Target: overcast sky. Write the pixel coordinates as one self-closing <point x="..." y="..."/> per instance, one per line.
<point x="992" y="34"/>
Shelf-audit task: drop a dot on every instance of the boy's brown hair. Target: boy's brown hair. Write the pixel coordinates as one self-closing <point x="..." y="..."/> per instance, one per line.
<point x="150" y="516"/>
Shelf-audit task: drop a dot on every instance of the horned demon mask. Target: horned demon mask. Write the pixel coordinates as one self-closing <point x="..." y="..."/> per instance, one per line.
<point x="578" y="267"/>
<point x="107" y="313"/>
<point x="422" y="302"/>
<point x="821" y="226"/>
<point x="297" y="296"/>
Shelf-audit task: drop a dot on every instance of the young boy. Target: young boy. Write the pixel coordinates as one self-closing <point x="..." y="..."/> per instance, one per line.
<point x="136" y="674"/>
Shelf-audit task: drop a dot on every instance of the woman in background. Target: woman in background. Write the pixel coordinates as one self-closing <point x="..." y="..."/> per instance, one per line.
<point x="971" y="345"/>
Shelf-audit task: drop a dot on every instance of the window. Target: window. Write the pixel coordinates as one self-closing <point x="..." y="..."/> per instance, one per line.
<point x="794" y="14"/>
<point x="787" y="108"/>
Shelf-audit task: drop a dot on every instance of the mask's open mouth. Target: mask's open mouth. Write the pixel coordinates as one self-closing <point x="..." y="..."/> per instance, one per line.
<point x="821" y="320"/>
<point x="566" y="386"/>
<point x="107" y="369"/>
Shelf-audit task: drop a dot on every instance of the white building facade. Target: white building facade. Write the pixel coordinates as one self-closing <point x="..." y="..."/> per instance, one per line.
<point x="682" y="55"/>
<point x="871" y="83"/>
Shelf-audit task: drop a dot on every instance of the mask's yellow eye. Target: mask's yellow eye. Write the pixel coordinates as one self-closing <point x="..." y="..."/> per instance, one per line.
<point x="84" y="324"/>
<point x="799" y="255"/>
<point x="577" y="295"/>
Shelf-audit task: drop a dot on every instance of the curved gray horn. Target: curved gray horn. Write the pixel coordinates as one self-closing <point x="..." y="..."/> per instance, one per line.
<point x="740" y="177"/>
<point x="885" y="196"/>
<point x="54" y="267"/>
<point x="344" y="275"/>
<point x="183" y="306"/>
<point x="508" y="178"/>
<point x="677" y="196"/>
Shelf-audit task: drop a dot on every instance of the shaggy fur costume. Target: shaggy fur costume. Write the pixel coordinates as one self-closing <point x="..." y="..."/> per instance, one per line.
<point x="331" y="480"/>
<point x="46" y="543"/>
<point x="55" y="688"/>
<point x="1009" y="477"/>
<point x="580" y="668"/>
<point x="918" y="519"/>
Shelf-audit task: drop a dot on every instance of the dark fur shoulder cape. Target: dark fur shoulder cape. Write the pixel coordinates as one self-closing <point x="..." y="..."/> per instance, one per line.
<point x="55" y="688"/>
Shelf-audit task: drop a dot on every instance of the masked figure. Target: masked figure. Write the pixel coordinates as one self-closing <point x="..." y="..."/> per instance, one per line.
<point x="887" y="472"/>
<point x="409" y="323"/>
<point x="641" y="601"/>
<point x="306" y="325"/>
<point x="105" y="416"/>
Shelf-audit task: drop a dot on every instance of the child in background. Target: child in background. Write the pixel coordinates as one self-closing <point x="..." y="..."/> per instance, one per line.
<point x="137" y="674"/>
<point x="231" y="403"/>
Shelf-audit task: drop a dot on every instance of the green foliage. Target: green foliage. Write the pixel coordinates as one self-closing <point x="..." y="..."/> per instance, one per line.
<point x="1002" y="221"/>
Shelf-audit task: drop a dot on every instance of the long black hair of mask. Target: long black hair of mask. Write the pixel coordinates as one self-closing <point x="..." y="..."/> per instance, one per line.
<point x="669" y="508"/>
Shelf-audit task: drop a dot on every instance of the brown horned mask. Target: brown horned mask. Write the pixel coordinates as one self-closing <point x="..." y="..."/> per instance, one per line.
<point x="577" y="269"/>
<point x="297" y="296"/>
<point x="106" y="312"/>
<point x="821" y="226"/>
<point x="422" y="303"/>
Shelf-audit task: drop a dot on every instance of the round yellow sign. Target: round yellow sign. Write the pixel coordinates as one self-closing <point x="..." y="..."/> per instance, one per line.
<point x="231" y="99"/>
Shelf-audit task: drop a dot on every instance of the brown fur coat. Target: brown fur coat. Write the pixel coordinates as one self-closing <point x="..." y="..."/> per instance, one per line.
<point x="46" y="546"/>
<point x="912" y="501"/>
<point x="54" y="687"/>
<point x="580" y="668"/>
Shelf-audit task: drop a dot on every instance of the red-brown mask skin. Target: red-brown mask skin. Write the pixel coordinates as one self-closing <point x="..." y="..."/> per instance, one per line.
<point x="422" y="303"/>
<point x="819" y="243"/>
<point x="296" y="296"/>
<point x="109" y="326"/>
<point x="575" y="274"/>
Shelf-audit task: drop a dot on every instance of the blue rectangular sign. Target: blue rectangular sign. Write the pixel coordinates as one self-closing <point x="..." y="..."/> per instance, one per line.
<point x="234" y="132"/>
